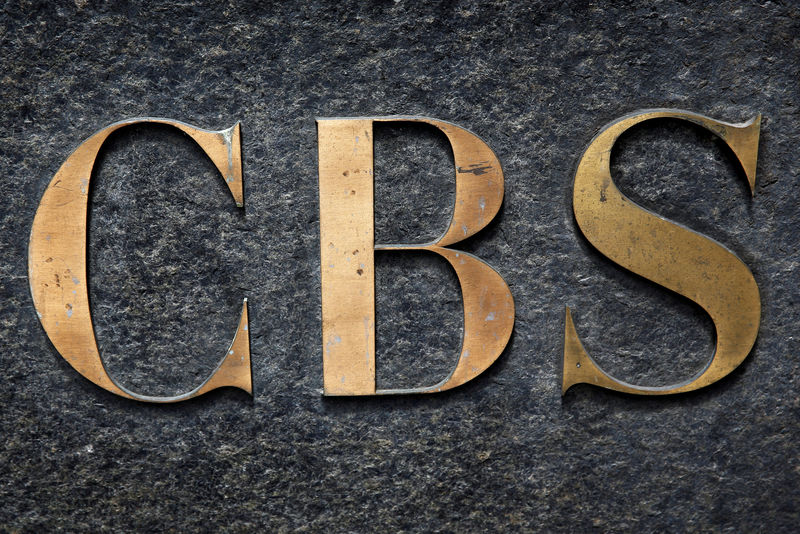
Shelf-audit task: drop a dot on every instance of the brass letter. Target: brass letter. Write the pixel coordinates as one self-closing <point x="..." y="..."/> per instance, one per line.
<point x="347" y="256"/>
<point x="670" y="255"/>
<point x="57" y="262"/>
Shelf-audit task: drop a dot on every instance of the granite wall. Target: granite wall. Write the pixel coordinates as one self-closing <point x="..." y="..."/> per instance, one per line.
<point x="171" y="257"/>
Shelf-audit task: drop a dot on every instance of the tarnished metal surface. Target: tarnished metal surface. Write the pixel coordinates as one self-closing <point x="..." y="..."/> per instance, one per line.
<point x="347" y="256"/>
<point x="668" y="254"/>
<point x="57" y="261"/>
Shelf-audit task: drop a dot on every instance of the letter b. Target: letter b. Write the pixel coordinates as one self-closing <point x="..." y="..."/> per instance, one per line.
<point x="347" y="246"/>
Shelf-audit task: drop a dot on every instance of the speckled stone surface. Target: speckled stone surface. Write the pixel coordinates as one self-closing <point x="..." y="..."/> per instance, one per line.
<point x="171" y="257"/>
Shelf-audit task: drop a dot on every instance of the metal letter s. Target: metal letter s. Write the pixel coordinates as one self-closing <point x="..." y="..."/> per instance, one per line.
<point x="670" y="255"/>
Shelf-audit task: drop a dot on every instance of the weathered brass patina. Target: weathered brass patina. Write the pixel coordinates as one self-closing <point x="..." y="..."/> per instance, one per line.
<point x="347" y="254"/>
<point x="57" y="262"/>
<point x="670" y="255"/>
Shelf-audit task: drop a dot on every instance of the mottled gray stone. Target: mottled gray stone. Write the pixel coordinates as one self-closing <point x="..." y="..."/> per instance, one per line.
<point x="171" y="258"/>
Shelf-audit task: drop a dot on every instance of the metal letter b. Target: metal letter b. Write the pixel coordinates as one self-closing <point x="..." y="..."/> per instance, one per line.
<point x="347" y="247"/>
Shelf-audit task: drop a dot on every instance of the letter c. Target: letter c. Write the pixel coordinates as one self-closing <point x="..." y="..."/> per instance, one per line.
<point x="57" y="262"/>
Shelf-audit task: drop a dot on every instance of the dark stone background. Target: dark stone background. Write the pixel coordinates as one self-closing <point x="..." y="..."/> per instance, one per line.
<point x="171" y="258"/>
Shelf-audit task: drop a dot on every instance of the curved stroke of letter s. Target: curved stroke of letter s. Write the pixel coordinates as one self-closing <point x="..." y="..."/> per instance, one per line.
<point x="57" y="262"/>
<point x="670" y="255"/>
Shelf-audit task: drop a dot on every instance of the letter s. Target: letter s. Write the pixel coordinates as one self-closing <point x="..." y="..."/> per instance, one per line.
<point x="670" y="255"/>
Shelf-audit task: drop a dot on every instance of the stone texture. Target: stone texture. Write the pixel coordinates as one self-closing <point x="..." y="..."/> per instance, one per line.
<point x="171" y="258"/>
